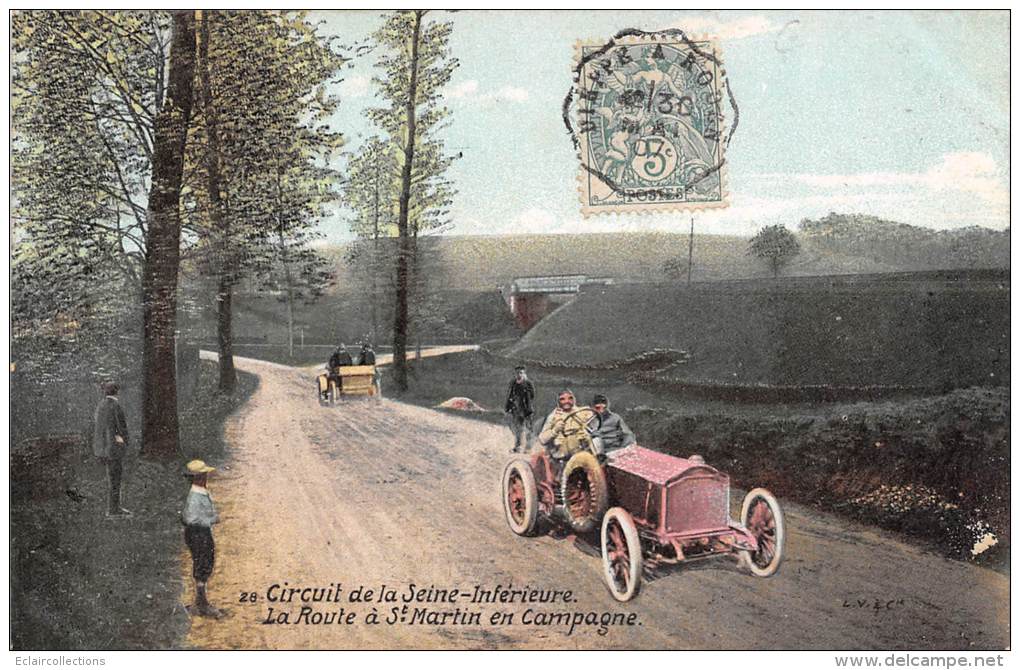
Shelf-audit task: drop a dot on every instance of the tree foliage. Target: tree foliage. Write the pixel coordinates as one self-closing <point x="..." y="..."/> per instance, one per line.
<point x="86" y="88"/>
<point x="775" y="245"/>
<point x="415" y="62"/>
<point x="269" y="79"/>
<point x="113" y="177"/>
<point x="431" y="192"/>
<point x="264" y="132"/>
<point x="372" y="194"/>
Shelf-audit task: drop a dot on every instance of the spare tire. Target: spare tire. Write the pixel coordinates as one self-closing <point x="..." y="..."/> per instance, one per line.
<point x="585" y="492"/>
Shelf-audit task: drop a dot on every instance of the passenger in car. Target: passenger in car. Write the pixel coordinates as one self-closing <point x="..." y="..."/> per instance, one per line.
<point x="614" y="432"/>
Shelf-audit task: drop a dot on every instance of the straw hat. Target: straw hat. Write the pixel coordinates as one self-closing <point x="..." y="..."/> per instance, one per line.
<point x="197" y="467"/>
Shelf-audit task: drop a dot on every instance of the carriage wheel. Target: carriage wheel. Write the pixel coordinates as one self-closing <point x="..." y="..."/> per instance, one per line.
<point x="520" y="497"/>
<point x="621" y="554"/>
<point x="334" y="393"/>
<point x="585" y="492"/>
<point x="763" y="518"/>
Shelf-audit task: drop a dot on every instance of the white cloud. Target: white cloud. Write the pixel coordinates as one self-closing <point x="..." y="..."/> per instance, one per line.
<point x="960" y="189"/>
<point x="968" y="172"/>
<point x="463" y="90"/>
<point x="356" y="86"/>
<point x="737" y="29"/>
<point x="537" y="220"/>
<point x="469" y="91"/>
<point x="506" y="94"/>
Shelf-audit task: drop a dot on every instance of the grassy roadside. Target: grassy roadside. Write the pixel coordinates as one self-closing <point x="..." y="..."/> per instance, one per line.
<point x="82" y="581"/>
<point x="934" y="468"/>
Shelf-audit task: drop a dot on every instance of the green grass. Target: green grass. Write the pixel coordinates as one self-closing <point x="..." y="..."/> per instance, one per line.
<point x="82" y="581"/>
<point x="933" y="467"/>
<point x="937" y="331"/>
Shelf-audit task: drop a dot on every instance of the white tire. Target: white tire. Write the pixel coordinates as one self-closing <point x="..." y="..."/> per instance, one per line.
<point x="621" y="554"/>
<point x="520" y="497"/>
<point x="763" y="518"/>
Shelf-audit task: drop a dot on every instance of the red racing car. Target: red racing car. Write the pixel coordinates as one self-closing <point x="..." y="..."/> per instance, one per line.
<point x="652" y="507"/>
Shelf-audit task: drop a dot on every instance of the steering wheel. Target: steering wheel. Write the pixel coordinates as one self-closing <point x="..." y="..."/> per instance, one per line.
<point x="584" y="418"/>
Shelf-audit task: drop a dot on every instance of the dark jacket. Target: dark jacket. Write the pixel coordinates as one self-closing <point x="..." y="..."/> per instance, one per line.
<point x="614" y="432"/>
<point x="367" y="357"/>
<point x="340" y="358"/>
<point x="520" y="398"/>
<point x="109" y="423"/>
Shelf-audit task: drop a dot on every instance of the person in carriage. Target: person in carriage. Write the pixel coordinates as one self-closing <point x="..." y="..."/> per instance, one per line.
<point x="339" y="358"/>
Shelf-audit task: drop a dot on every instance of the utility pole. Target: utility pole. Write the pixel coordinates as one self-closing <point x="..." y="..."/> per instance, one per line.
<point x="690" y="252"/>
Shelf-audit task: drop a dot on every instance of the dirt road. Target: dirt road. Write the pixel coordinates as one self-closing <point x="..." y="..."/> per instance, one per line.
<point x="373" y="493"/>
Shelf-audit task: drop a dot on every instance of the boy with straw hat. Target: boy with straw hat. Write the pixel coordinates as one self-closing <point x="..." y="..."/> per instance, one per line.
<point x="198" y="517"/>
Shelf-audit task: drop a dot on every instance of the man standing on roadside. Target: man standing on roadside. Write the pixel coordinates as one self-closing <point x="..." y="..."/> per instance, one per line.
<point x="109" y="443"/>
<point x="520" y="409"/>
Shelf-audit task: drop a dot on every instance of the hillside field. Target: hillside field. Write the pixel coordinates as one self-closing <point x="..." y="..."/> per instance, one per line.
<point x="834" y="244"/>
<point x="920" y="330"/>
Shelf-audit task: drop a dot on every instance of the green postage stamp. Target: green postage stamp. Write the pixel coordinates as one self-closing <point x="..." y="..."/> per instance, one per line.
<point x="646" y="113"/>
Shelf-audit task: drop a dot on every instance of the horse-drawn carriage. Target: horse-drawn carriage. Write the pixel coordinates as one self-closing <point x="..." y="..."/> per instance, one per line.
<point x="651" y="507"/>
<point x="348" y="380"/>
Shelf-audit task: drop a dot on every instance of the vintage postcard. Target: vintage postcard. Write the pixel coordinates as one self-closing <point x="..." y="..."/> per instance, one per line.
<point x="510" y="330"/>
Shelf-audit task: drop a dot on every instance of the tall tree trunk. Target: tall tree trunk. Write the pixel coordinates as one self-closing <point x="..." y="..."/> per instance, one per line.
<point x="403" y="251"/>
<point x="160" y="434"/>
<point x="417" y="290"/>
<point x="288" y="280"/>
<point x="225" y="334"/>
<point x="220" y="223"/>
<point x="290" y="309"/>
<point x="375" y="258"/>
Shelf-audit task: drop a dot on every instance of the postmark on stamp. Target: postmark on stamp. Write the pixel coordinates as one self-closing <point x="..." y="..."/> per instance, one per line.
<point x="646" y="115"/>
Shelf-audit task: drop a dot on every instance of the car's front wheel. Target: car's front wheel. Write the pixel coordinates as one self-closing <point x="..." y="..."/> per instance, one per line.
<point x="621" y="554"/>
<point x="763" y="518"/>
<point x="520" y="497"/>
<point x="585" y="492"/>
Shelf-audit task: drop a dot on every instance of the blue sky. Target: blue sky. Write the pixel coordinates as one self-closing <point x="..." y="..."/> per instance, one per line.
<point x="904" y="115"/>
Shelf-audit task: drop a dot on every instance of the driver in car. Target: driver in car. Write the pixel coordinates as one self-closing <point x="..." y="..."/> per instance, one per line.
<point x="552" y="435"/>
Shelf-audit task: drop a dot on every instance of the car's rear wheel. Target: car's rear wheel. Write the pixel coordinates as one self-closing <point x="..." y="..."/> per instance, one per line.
<point x="520" y="497"/>
<point x="585" y="492"/>
<point x="763" y="518"/>
<point x="621" y="554"/>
